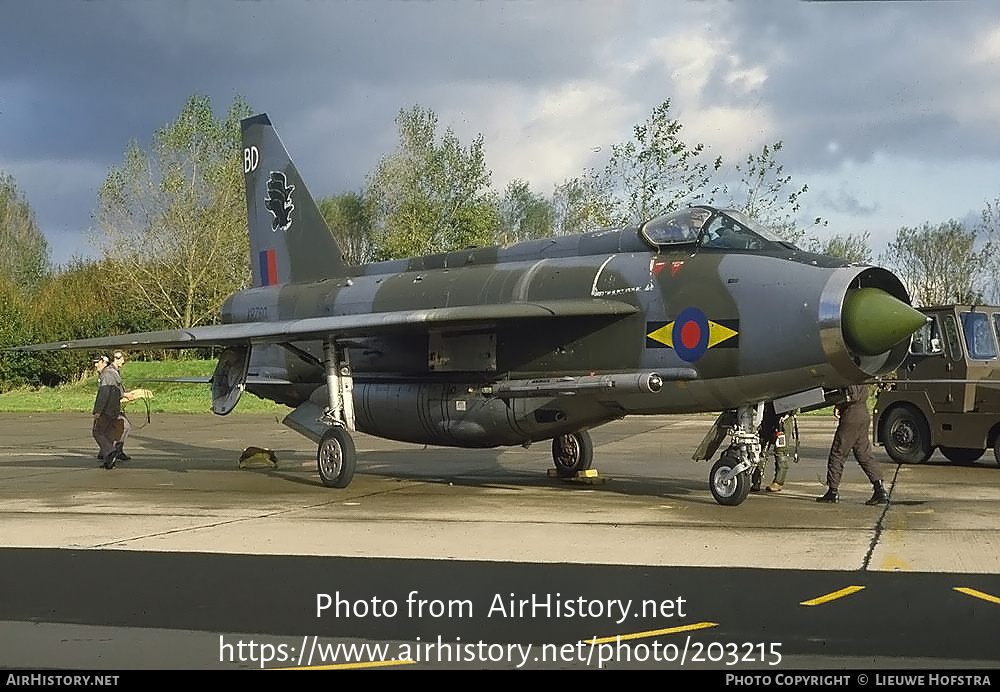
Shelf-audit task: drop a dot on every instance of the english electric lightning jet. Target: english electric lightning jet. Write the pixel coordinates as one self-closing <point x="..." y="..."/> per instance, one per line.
<point x="697" y="310"/>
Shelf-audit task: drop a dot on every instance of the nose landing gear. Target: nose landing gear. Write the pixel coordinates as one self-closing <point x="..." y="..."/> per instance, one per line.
<point x="730" y="477"/>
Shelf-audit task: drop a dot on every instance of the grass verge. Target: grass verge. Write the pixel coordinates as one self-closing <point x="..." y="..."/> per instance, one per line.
<point x="168" y="397"/>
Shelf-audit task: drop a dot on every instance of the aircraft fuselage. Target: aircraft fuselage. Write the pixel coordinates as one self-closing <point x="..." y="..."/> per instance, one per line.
<point x="724" y="329"/>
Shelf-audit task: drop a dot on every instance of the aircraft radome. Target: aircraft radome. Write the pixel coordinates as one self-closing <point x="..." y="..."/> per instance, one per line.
<point x="697" y="310"/>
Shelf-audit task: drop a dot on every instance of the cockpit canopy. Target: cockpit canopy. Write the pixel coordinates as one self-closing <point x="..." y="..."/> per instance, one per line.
<point x="708" y="227"/>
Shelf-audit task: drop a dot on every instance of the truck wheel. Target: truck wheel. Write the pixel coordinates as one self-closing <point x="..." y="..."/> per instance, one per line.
<point x="905" y="436"/>
<point x="961" y="455"/>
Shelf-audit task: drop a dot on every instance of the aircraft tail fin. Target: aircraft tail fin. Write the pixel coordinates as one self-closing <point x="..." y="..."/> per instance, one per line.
<point x="289" y="239"/>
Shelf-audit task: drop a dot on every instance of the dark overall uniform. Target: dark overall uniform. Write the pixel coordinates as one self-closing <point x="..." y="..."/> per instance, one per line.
<point x="853" y="436"/>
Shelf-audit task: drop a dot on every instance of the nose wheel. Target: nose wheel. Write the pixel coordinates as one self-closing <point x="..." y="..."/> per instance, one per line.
<point x="730" y="477"/>
<point x="572" y="453"/>
<point x="729" y="485"/>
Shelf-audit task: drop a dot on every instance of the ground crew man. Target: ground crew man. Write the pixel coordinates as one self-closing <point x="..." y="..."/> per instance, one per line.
<point x="122" y="425"/>
<point x="853" y="436"/>
<point x="107" y="408"/>
<point x="779" y="435"/>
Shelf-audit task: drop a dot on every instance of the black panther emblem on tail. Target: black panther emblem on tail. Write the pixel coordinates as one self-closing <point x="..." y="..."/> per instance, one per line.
<point x="279" y="201"/>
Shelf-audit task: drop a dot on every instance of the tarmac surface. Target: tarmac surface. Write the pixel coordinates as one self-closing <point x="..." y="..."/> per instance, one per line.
<point x="179" y="553"/>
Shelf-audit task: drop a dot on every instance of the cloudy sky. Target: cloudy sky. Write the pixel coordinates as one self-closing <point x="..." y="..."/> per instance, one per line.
<point x="889" y="111"/>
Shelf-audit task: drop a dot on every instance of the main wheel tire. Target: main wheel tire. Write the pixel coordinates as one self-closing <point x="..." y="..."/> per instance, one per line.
<point x="336" y="458"/>
<point x="572" y="453"/>
<point x="729" y="491"/>
<point x="996" y="450"/>
<point x="961" y="455"/>
<point x="905" y="435"/>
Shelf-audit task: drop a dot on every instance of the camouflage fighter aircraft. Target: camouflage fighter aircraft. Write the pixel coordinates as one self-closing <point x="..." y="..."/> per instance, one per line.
<point x="698" y="310"/>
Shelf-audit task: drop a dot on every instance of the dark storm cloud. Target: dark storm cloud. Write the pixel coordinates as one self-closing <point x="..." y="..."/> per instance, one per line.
<point x="78" y="80"/>
<point x="119" y="70"/>
<point x="545" y="81"/>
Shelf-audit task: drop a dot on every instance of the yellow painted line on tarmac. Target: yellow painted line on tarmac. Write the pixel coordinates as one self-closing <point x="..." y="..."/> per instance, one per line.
<point x="819" y="600"/>
<point x="349" y="666"/>
<point x="977" y="594"/>
<point x="649" y="633"/>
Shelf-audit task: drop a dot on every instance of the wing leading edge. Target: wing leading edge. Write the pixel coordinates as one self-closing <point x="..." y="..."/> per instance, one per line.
<point x="367" y="324"/>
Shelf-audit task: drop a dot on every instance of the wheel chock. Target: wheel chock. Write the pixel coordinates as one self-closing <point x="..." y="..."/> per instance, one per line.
<point x="256" y="457"/>
<point x="588" y="477"/>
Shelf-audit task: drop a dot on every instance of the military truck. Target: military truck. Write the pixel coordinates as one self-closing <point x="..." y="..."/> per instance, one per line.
<point x="947" y="392"/>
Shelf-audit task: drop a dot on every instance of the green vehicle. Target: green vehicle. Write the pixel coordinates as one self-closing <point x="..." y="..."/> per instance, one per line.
<point x="947" y="392"/>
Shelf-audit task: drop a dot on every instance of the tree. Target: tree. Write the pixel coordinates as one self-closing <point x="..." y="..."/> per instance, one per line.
<point x="990" y="230"/>
<point x="347" y="216"/>
<point x="431" y="194"/>
<point x="16" y="369"/>
<point x="24" y="258"/>
<point x="851" y="247"/>
<point x="75" y="302"/>
<point x="766" y="194"/>
<point x="174" y="218"/>
<point x="652" y="173"/>
<point x="524" y="215"/>
<point x="571" y="206"/>
<point x="940" y="264"/>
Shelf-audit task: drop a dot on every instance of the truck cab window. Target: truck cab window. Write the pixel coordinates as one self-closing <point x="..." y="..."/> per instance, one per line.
<point x="927" y="340"/>
<point x="979" y="336"/>
<point x="951" y="338"/>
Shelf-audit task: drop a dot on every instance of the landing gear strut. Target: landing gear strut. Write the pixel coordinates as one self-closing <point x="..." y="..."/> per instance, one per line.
<point x="730" y="477"/>
<point x="336" y="457"/>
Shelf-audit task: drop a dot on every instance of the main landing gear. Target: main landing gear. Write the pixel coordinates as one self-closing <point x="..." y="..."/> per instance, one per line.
<point x="572" y="453"/>
<point x="336" y="457"/>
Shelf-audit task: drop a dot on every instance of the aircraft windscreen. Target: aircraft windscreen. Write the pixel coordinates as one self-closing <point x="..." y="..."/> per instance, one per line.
<point x="710" y="228"/>
<point x="734" y="230"/>
<point x="680" y="226"/>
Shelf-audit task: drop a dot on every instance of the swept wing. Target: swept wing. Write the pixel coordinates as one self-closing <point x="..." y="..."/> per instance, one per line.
<point x="367" y="324"/>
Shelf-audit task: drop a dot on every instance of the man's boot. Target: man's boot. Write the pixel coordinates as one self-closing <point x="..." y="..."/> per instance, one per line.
<point x="830" y="497"/>
<point x="880" y="496"/>
<point x="112" y="458"/>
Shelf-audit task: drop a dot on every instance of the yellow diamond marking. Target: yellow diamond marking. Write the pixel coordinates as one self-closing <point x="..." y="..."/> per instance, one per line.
<point x="718" y="333"/>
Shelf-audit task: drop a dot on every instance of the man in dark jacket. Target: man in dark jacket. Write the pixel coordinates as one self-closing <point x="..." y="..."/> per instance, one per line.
<point x="853" y="436"/>
<point x="107" y="408"/>
<point x="122" y="425"/>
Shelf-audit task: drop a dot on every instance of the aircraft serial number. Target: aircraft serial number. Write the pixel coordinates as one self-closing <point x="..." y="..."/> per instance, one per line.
<point x="257" y="313"/>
